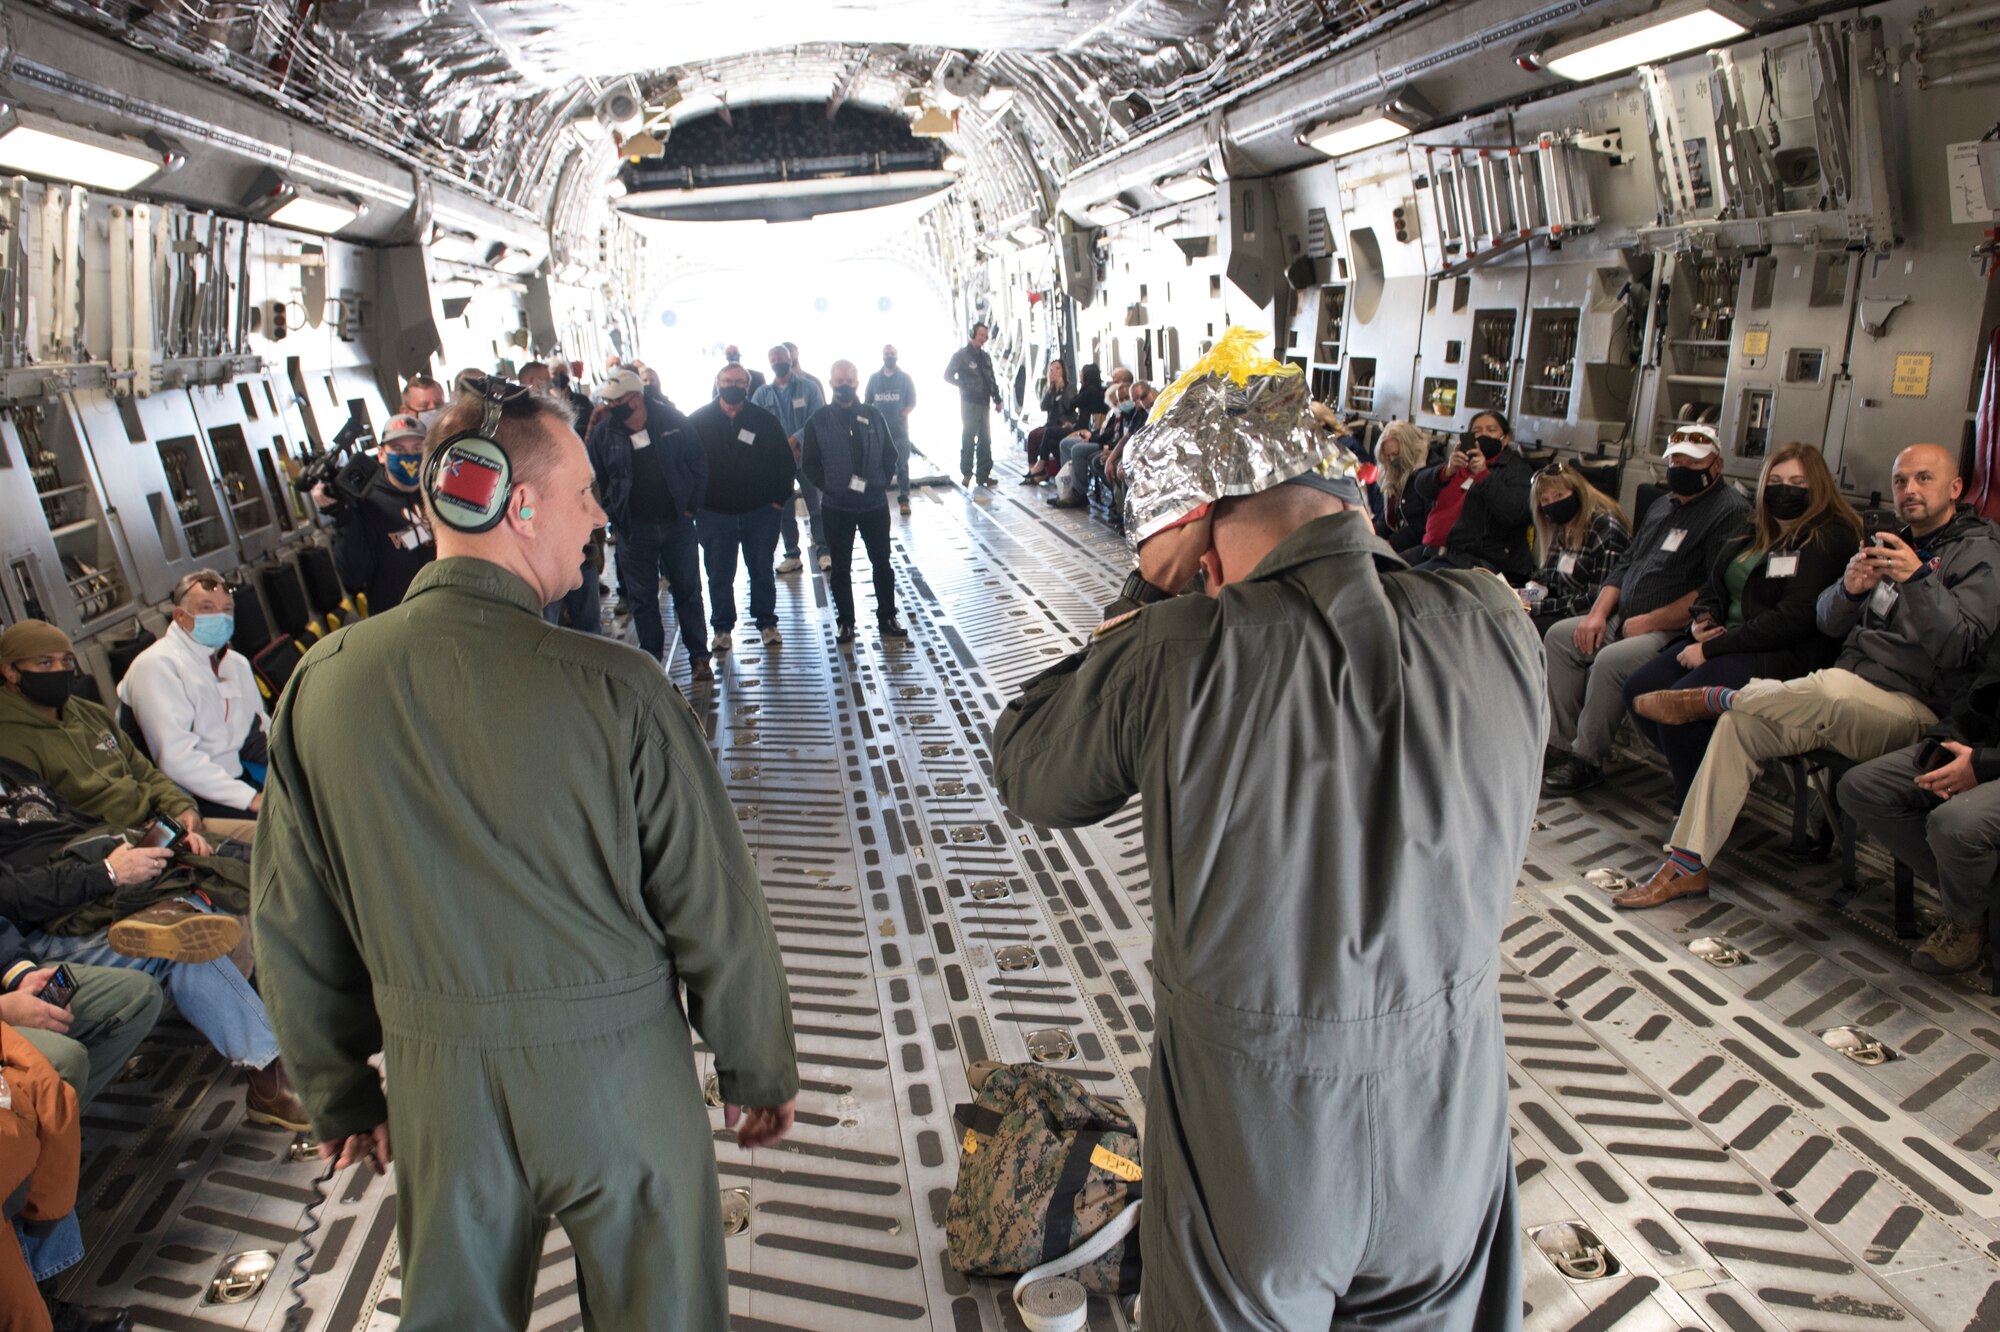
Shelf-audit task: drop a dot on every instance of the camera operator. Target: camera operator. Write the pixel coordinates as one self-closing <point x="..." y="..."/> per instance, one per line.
<point x="382" y="539"/>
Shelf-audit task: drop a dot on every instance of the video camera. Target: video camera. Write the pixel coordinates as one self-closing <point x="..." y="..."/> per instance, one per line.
<point x="347" y="468"/>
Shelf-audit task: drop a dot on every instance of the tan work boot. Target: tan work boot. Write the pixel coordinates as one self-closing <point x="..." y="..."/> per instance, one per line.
<point x="271" y="1099"/>
<point x="175" y="931"/>
<point x="1664" y="886"/>
<point x="1951" y="947"/>
<point x="1675" y="707"/>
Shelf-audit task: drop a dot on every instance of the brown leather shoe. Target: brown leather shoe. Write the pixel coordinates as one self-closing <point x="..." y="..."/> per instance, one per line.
<point x="1675" y="707"/>
<point x="175" y="931"/>
<point x="1664" y="886"/>
<point x="271" y="1100"/>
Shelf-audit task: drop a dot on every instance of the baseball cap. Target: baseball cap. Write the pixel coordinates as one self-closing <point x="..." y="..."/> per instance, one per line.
<point x="403" y="427"/>
<point x="619" y="383"/>
<point x="1693" y="441"/>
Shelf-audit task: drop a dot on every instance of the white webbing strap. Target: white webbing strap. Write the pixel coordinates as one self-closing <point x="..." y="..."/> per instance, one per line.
<point x="1050" y="1301"/>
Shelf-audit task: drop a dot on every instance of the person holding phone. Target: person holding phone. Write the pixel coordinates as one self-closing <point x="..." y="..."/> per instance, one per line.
<point x="1914" y="610"/>
<point x="63" y="878"/>
<point x="1480" y="508"/>
<point x="1936" y="805"/>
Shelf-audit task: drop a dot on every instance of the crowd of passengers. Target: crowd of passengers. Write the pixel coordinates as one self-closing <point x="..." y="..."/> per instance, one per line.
<point x="1730" y="632"/>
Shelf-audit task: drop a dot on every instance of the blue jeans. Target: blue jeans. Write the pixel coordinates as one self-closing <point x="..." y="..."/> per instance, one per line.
<point x="585" y="614"/>
<point x="976" y="442"/>
<point x="756" y="534"/>
<point x="788" y="519"/>
<point x="648" y="552"/>
<point x="51" y="1247"/>
<point x="902" y="467"/>
<point x="211" y="995"/>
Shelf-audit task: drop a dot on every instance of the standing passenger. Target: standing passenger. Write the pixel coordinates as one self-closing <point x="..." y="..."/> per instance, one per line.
<point x="543" y="857"/>
<point x="851" y="457"/>
<point x="895" y="393"/>
<point x="970" y="370"/>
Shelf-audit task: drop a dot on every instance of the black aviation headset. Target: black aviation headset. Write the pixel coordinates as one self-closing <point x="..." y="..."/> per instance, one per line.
<point x="469" y="479"/>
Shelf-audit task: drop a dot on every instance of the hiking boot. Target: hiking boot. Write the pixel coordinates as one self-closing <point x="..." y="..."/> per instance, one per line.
<point x="966" y="481"/>
<point x="1951" y="947"/>
<point x="271" y="1100"/>
<point x="702" y="671"/>
<point x="177" y="932"/>
<point x="893" y="631"/>
<point x="790" y="564"/>
<point x="903" y="507"/>
<point x="1675" y="707"/>
<point x="1572" y="776"/>
<point x="722" y="643"/>
<point x="770" y="636"/>
<point x="988" y="481"/>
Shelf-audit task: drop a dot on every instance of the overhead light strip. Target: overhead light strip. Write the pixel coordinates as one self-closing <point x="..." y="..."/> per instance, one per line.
<point x="36" y="145"/>
<point x="1671" y="30"/>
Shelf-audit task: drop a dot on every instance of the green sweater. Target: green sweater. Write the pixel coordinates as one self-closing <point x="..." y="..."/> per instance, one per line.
<point x="87" y="760"/>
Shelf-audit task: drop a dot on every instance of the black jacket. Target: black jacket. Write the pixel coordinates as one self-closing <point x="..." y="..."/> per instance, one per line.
<point x="970" y="370"/>
<point x="682" y="461"/>
<point x="1974" y="718"/>
<point x="35" y="825"/>
<point x="1493" y="528"/>
<point x="1058" y="412"/>
<point x="743" y="474"/>
<point x="842" y="444"/>
<point x="381" y="543"/>
<point x="1780" y="614"/>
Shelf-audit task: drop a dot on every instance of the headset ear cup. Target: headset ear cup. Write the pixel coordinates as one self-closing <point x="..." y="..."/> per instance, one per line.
<point x="469" y="482"/>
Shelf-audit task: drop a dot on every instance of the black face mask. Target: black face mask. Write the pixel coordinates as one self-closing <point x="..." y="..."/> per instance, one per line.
<point x="733" y="357"/>
<point x="888" y="363"/>
<point x="47" y="689"/>
<point x="735" y="394"/>
<point x="780" y="369"/>
<point x="1786" y="502"/>
<point x="1687" y="481"/>
<point x="844" y="394"/>
<point x="1560" y="512"/>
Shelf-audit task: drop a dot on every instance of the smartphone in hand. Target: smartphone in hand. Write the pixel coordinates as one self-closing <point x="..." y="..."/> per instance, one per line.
<point x="164" y="831"/>
<point x="61" y="987"/>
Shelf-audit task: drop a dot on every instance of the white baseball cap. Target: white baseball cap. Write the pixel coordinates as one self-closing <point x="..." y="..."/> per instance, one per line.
<point x="404" y="426"/>
<point x="620" y="383"/>
<point x="1697" y="442"/>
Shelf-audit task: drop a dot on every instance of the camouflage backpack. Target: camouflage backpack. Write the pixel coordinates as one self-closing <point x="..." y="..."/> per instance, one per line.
<point x="1044" y="1164"/>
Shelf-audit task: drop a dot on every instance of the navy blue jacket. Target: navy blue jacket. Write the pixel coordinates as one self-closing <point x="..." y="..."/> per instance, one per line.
<point x="681" y="456"/>
<point x="843" y="444"/>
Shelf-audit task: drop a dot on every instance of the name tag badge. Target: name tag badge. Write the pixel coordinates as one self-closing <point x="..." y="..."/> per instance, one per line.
<point x="1566" y="562"/>
<point x="746" y="437"/>
<point x="797" y="403"/>
<point x="856" y="483"/>
<point x="407" y="539"/>
<point x="1675" y="540"/>
<point x="1883" y="600"/>
<point x="1467" y="485"/>
<point x="641" y="440"/>
<point x="1783" y="566"/>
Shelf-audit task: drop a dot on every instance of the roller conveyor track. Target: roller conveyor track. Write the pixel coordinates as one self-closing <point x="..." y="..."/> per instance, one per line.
<point x="1739" y="1173"/>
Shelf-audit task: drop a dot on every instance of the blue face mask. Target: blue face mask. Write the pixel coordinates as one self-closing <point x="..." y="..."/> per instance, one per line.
<point x="213" y="631"/>
<point x="404" y="468"/>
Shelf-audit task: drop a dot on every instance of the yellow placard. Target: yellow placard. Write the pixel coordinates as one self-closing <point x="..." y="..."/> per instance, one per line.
<point x="1112" y="1163"/>
<point x="1913" y="375"/>
<point x="971" y="1144"/>
<point x="1757" y="342"/>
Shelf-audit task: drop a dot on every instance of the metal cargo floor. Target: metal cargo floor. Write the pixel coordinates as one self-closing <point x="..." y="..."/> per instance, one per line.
<point x="1742" y="1174"/>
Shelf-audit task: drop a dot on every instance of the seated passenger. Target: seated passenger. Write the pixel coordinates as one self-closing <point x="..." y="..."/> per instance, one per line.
<point x="1756" y="617"/>
<point x="1642" y="607"/>
<point x="1936" y="806"/>
<point x="41" y="1155"/>
<point x="1090" y="404"/>
<point x="1082" y="454"/>
<point x="74" y="743"/>
<point x="197" y="704"/>
<point x="1059" y="418"/>
<point x="1480" y="510"/>
<point x="65" y="878"/>
<point x="1581" y="533"/>
<point x="88" y="1039"/>
<point x="1916" y="608"/>
<point x="1401" y="452"/>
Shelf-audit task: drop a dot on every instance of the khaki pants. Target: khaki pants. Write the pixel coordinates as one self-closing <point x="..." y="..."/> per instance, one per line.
<point x="218" y="831"/>
<point x="1771" y="719"/>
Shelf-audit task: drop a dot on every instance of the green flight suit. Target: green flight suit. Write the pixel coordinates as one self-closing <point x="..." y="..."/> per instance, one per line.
<point x="493" y="849"/>
<point x="1339" y="759"/>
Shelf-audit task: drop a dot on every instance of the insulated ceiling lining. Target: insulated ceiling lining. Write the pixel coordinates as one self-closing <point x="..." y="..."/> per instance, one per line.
<point x="479" y="92"/>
